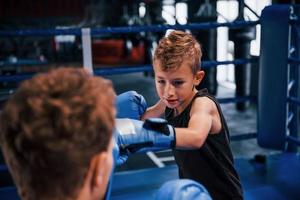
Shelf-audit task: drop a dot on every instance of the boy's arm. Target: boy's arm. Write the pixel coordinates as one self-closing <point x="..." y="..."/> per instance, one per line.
<point x="204" y="118"/>
<point x="154" y="111"/>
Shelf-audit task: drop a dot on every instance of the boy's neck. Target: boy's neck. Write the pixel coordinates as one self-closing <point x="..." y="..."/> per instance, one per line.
<point x="177" y="111"/>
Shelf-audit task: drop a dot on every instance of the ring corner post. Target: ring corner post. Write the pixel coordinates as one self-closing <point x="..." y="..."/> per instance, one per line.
<point x="87" y="49"/>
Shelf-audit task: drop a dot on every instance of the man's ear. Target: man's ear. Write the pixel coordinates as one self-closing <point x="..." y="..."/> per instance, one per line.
<point x="198" y="77"/>
<point x="99" y="169"/>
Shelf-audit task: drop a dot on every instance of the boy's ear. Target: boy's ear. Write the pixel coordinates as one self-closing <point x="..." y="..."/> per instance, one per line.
<point x="199" y="76"/>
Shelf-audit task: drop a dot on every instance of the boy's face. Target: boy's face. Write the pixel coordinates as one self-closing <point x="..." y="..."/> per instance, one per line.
<point x="176" y="87"/>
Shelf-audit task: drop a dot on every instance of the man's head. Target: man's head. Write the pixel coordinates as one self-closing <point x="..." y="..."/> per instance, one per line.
<point x="178" y="47"/>
<point x="56" y="133"/>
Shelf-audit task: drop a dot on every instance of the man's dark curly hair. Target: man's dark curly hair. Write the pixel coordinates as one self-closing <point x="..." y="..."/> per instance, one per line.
<point x="51" y="128"/>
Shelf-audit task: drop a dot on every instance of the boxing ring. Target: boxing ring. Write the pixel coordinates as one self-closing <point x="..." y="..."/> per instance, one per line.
<point x="275" y="176"/>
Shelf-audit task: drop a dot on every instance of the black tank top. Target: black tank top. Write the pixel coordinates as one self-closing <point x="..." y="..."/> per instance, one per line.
<point x="212" y="164"/>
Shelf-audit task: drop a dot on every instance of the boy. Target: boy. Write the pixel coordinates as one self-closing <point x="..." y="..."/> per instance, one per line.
<point x="56" y="135"/>
<point x="196" y="115"/>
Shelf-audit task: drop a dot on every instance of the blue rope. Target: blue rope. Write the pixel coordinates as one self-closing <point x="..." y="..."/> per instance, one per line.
<point x="127" y="29"/>
<point x="122" y="70"/>
<point x="292" y="60"/>
<point x="207" y="64"/>
<point x="130" y="69"/>
<point x="40" y="32"/>
<point x="105" y="70"/>
<point x="293" y="100"/>
<point x="293" y="140"/>
<point x="245" y="136"/>
<point x="15" y="78"/>
<point x="23" y="62"/>
<point x="237" y="99"/>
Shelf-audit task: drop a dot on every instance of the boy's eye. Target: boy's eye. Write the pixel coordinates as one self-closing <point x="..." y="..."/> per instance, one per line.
<point x="161" y="81"/>
<point x="178" y="83"/>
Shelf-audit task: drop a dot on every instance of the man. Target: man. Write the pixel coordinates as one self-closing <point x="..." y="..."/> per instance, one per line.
<point x="56" y="135"/>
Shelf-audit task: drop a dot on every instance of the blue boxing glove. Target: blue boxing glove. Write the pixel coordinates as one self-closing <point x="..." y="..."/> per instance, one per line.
<point x="183" y="189"/>
<point x="119" y="158"/>
<point x="130" y="105"/>
<point x="134" y="136"/>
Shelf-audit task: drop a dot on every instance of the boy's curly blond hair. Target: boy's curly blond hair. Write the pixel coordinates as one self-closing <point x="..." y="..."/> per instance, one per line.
<point x="177" y="47"/>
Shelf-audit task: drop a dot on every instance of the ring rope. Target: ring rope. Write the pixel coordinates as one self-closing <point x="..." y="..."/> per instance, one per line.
<point x="292" y="60"/>
<point x="130" y="69"/>
<point x="293" y="140"/>
<point x="245" y="136"/>
<point x="23" y="62"/>
<point x="130" y="29"/>
<point x="293" y="100"/>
